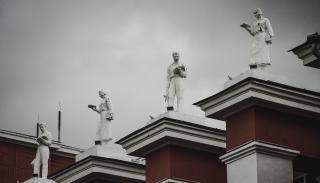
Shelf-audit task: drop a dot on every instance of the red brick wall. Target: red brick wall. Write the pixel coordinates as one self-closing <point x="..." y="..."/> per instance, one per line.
<point x="183" y="163"/>
<point x="299" y="133"/>
<point x="240" y="128"/>
<point x="158" y="165"/>
<point x="197" y="166"/>
<point x="257" y="123"/>
<point x="15" y="162"/>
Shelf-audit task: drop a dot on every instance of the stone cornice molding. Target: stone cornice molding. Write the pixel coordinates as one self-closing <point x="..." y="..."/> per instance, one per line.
<point x="252" y="91"/>
<point x="176" y="129"/>
<point x="98" y="165"/>
<point x="258" y="147"/>
<point x="30" y="141"/>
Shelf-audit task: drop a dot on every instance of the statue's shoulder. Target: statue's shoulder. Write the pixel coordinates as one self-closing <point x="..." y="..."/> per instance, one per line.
<point x="264" y="19"/>
<point x="49" y="134"/>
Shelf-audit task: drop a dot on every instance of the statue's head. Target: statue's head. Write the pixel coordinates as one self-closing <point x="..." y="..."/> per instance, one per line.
<point x="102" y="94"/>
<point x="42" y="126"/>
<point x="175" y="56"/>
<point x="257" y="12"/>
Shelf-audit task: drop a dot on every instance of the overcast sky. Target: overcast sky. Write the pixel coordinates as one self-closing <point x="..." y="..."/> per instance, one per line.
<point x="63" y="50"/>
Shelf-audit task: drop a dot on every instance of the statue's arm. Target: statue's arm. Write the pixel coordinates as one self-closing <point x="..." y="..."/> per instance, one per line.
<point x="110" y="113"/>
<point x="168" y="80"/>
<point x="248" y="28"/>
<point x="270" y="31"/>
<point x="109" y="106"/>
<point x="46" y="140"/>
<point x="183" y="71"/>
<point x="94" y="108"/>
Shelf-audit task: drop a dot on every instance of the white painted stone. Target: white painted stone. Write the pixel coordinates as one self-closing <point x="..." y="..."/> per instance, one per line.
<point x="259" y="162"/>
<point x="39" y="180"/>
<point x="177" y="181"/>
<point x="176" y="129"/>
<point x="259" y="74"/>
<point x="243" y="170"/>
<point x="114" y="151"/>
<point x="176" y="72"/>
<point x="180" y="116"/>
<point x="274" y="169"/>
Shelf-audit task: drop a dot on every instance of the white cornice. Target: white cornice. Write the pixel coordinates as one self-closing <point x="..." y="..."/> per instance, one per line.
<point x="105" y="166"/>
<point x="253" y="91"/>
<point x="258" y="147"/>
<point x="173" y="128"/>
<point x="173" y="180"/>
<point x="28" y="140"/>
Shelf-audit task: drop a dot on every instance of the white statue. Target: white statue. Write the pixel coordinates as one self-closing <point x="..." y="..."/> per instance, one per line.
<point x="262" y="33"/>
<point x="103" y="135"/>
<point x="44" y="141"/>
<point x="176" y="72"/>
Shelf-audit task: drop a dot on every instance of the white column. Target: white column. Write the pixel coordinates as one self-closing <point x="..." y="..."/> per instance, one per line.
<point x="259" y="162"/>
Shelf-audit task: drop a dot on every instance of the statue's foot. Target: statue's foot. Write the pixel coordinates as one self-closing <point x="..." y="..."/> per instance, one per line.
<point x="253" y="66"/>
<point x="106" y="141"/>
<point x="170" y="108"/>
<point x="97" y="142"/>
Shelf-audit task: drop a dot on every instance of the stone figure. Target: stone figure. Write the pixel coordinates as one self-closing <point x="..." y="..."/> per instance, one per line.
<point x="103" y="134"/>
<point x="44" y="141"/>
<point x="262" y="33"/>
<point x="176" y="72"/>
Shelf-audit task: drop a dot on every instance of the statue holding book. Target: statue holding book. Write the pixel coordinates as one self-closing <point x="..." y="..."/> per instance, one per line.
<point x="262" y="33"/>
<point x="103" y="134"/>
<point x="176" y="73"/>
<point x="42" y="156"/>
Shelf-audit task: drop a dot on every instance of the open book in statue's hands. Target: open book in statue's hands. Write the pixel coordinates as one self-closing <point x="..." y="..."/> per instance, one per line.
<point x="109" y="116"/>
<point x="42" y="139"/>
<point x="244" y="25"/>
<point x="91" y="106"/>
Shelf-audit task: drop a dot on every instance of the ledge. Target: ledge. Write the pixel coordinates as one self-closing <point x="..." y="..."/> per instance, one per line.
<point x="30" y="141"/>
<point x="95" y="168"/>
<point x="253" y="91"/>
<point x="258" y="147"/>
<point x="175" y="129"/>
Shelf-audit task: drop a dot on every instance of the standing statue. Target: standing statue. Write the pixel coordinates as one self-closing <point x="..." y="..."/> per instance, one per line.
<point x="44" y="141"/>
<point x="103" y="135"/>
<point x="176" y="72"/>
<point x="262" y="33"/>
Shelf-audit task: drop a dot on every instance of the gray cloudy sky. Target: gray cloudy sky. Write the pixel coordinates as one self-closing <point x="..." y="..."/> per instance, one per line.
<point x="66" y="51"/>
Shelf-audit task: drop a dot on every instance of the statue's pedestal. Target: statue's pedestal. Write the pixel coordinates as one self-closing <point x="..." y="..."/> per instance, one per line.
<point x="114" y="151"/>
<point x="272" y="128"/>
<point x="103" y="163"/>
<point x="39" y="180"/>
<point x="258" y="74"/>
<point x="178" y="148"/>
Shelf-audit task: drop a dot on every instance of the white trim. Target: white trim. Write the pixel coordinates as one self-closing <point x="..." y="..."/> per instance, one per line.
<point x="176" y="131"/>
<point x="28" y="140"/>
<point x="107" y="166"/>
<point x="253" y="91"/>
<point x="260" y="147"/>
<point x="173" y="180"/>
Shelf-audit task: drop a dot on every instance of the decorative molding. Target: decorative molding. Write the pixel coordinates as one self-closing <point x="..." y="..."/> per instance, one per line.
<point x="30" y="141"/>
<point x="176" y="180"/>
<point x="108" y="168"/>
<point x="252" y="91"/>
<point x="177" y="129"/>
<point x="258" y="147"/>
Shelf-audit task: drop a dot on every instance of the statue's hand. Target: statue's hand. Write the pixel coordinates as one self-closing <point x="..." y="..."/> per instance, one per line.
<point x="93" y="107"/>
<point x="244" y="25"/>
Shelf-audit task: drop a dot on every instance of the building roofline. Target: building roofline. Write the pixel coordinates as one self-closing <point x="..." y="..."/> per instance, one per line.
<point x="30" y="140"/>
<point x="249" y="79"/>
